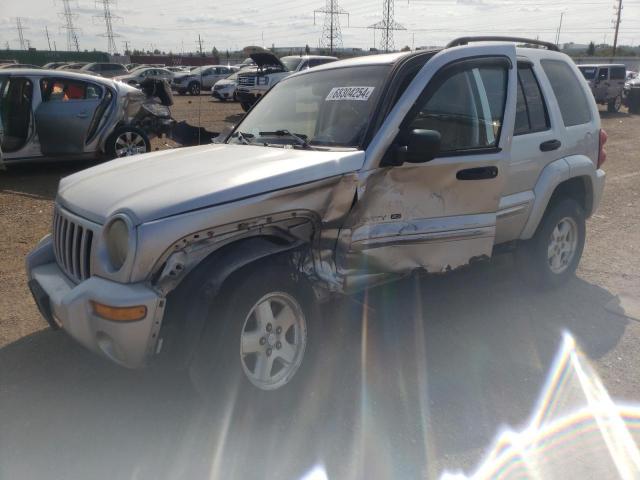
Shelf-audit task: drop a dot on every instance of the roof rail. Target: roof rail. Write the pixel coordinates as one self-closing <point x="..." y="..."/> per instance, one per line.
<point x="466" y="40"/>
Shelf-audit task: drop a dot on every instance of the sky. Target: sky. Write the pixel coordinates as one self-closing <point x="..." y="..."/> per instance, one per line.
<point x="175" y="25"/>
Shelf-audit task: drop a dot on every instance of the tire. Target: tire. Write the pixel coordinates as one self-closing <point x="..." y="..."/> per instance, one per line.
<point x="245" y="106"/>
<point x="614" y="105"/>
<point x="551" y="257"/>
<point x="235" y="97"/>
<point x="255" y="312"/>
<point x="127" y="141"/>
<point x="194" y="88"/>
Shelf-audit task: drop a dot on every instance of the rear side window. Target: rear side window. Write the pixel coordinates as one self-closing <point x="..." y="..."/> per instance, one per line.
<point x="63" y="90"/>
<point x="618" y="73"/>
<point x="568" y="91"/>
<point x="531" y="111"/>
<point x="603" y="74"/>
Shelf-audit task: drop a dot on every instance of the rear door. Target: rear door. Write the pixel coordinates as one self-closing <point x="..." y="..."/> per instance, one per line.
<point x="438" y="214"/>
<point x="602" y="85"/>
<point x="65" y="115"/>
<point x="617" y="77"/>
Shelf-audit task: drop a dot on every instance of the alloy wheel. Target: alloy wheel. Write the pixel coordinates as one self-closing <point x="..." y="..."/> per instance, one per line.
<point x="130" y="143"/>
<point x="562" y="246"/>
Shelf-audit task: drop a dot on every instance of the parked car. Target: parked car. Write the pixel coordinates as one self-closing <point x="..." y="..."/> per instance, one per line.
<point x="225" y="89"/>
<point x="177" y="69"/>
<point x="54" y="114"/>
<point x="107" y="70"/>
<point x="606" y="82"/>
<point x="54" y="65"/>
<point x="201" y="77"/>
<point x="631" y="74"/>
<point x="18" y="65"/>
<point x="137" y="76"/>
<point x="255" y="83"/>
<point x="631" y="95"/>
<point x="343" y="176"/>
<point x="72" y="66"/>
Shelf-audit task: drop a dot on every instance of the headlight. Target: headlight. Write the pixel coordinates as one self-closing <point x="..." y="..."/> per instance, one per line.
<point x="263" y="80"/>
<point x="117" y="242"/>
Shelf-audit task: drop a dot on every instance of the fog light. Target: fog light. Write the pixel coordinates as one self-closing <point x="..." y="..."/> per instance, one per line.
<point x="119" y="314"/>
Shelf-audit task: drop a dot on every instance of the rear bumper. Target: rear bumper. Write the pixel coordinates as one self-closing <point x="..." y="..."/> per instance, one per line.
<point x="67" y="305"/>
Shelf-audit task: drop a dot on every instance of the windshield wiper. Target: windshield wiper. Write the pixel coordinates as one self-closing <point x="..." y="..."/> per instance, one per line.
<point x="242" y="137"/>
<point x="286" y="133"/>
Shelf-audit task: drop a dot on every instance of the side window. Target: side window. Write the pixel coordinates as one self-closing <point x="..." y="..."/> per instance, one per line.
<point x="531" y="111"/>
<point x="618" y="73"/>
<point x="568" y="91"/>
<point x="603" y="74"/>
<point x="64" y="90"/>
<point x="306" y="64"/>
<point x="465" y="104"/>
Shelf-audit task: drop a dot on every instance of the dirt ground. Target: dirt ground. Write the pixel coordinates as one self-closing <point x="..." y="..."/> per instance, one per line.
<point x="488" y="344"/>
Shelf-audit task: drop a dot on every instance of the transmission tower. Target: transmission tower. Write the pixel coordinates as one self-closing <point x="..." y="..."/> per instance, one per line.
<point x="108" y="18"/>
<point x="72" y="31"/>
<point x="331" y="34"/>
<point x="23" y="41"/>
<point x="387" y="25"/>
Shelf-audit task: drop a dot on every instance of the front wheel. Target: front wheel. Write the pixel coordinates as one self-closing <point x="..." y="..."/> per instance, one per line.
<point x="194" y="88"/>
<point x="551" y="257"/>
<point x="127" y="141"/>
<point x="614" y="104"/>
<point x="259" y="338"/>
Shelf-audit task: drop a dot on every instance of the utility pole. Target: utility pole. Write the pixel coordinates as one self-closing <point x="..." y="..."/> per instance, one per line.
<point x="331" y="33"/>
<point x="559" y="29"/>
<point x="387" y="25"/>
<point x="617" y="22"/>
<point x="46" y="29"/>
<point x="72" y="31"/>
<point x="126" y="47"/>
<point x="108" y="18"/>
<point x="200" y="44"/>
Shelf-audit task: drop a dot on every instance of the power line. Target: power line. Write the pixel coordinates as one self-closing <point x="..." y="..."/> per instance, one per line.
<point x="618" y="12"/>
<point x="72" y="31"/>
<point x="108" y="18"/>
<point x="387" y="25"/>
<point x="331" y="33"/>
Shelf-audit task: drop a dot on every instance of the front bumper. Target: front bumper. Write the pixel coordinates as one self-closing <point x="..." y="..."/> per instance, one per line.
<point x="247" y="96"/>
<point x="222" y="94"/>
<point x="66" y="305"/>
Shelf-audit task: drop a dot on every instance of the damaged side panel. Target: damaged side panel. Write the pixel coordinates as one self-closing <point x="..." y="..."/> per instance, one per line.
<point x="309" y="213"/>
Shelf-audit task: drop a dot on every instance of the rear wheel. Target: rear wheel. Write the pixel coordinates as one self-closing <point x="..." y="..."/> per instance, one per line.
<point x="127" y="141"/>
<point x="614" y="104"/>
<point x="551" y="257"/>
<point x="245" y="106"/>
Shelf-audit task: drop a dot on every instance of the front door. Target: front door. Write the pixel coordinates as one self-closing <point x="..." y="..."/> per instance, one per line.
<point x="439" y="214"/>
<point x="66" y="114"/>
<point x="602" y="85"/>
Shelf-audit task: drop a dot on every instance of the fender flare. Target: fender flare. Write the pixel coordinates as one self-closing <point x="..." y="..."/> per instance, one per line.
<point x="555" y="173"/>
<point x="180" y="337"/>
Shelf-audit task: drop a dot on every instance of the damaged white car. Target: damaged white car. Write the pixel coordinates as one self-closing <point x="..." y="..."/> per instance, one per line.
<point x="343" y="176"/>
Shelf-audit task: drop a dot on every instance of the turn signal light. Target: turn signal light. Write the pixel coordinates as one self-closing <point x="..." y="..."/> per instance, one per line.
<point x="119" y="314"/>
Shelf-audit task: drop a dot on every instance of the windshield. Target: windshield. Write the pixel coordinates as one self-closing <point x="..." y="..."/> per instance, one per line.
<point x="199" y="70"/>
<point x="291" y="63"/>
<point x="326" y="108"/>
<point x="588" y="72"/>
<point x="233" y="76"/>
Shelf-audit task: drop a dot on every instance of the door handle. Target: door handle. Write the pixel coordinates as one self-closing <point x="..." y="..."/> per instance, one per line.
<point x="478" y="173"/>
<point x="550" y="145"/>
<point x="82" y="115"/>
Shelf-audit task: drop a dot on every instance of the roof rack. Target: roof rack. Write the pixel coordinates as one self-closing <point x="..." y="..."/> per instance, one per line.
<point x="466" y="40"/>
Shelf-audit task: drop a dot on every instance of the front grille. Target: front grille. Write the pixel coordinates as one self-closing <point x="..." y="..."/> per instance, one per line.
<point x="72" y="242"/>
<point x="247" y="81"/>
<point x="218" y="87"/>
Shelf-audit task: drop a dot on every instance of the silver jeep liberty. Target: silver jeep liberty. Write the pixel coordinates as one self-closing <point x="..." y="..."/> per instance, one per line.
<point x="344" y="176"/>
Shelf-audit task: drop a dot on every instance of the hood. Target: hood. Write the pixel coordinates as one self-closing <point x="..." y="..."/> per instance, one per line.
<point x="263" y="57"/>
<point x="170" y="182"/>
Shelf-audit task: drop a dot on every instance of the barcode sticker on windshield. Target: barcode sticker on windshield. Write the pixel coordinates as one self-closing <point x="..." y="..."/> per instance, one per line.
<point x="350" y="93"/>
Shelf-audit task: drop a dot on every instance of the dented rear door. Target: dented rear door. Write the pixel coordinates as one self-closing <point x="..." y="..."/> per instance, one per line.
<point x="440" y="214"/>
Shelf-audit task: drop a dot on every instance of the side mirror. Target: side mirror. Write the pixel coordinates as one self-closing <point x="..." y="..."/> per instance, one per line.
<point x="422" y="146"/>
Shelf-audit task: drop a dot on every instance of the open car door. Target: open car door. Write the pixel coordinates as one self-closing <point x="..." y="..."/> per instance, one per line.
<point x="436" y="214"/>
<point x="66" y="114"/>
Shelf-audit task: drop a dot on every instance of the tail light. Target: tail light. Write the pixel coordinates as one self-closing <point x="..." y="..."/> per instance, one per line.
<point x="602" y="153"/>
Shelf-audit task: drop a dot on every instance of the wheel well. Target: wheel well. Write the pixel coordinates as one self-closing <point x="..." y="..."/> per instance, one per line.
<point x="575" y="188"/>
